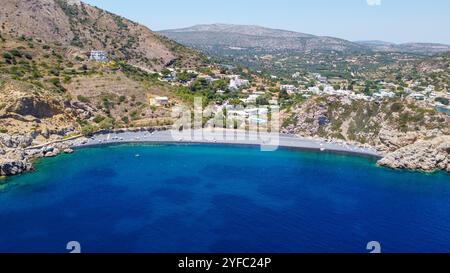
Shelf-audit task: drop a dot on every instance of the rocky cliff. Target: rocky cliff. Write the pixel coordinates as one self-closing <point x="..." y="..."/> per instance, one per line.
<point x="408" y="135"/>
<point x="426" y="155"/>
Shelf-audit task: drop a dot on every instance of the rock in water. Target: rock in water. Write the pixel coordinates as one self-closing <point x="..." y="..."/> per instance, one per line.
<point x="52" y="153"/>
<point x="68" y="151"/>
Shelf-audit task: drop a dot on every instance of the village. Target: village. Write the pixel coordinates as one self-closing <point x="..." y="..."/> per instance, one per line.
<point x="250" y="96"/>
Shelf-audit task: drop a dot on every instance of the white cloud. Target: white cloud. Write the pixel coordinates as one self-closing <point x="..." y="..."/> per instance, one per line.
<point x="374" y="2"/>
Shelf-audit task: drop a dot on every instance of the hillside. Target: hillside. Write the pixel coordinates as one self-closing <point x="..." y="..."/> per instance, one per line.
<point x="81" y="28"/>
<point x="416" y="48"/>
<point x="212" y="38"/>
<point x="283" y="53"/>
<point x="36" y="79"/>
<point x="49" y="88"/>
<point x="433" y="70"/>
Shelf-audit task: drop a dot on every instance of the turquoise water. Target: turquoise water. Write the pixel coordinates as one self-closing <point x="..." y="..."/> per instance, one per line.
<point x="200" y="198"/>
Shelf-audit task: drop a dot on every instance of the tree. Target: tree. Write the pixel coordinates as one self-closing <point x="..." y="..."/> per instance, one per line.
<point x="262" y="101"/>
<point x="107" y="123"/>
<point x="166" y="72"/>
<point x="284" y="95"/>
<point x="88" y="129"/>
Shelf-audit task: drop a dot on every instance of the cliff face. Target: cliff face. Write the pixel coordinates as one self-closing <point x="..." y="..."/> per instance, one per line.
<point x="426" y="155"/>
<point x="81" y="26"/>
<point x="408" y="135"/>
<point x="31" y="115"/>
<point x="27" y="109"/>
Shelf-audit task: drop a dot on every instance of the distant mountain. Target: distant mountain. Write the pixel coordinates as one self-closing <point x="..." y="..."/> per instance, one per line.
<point x="241" y="37"/>
<point x="374" y="43"/>
<point x="416" y="48"/>
<point x="77" y="25"/>
<point x="244" y="30"/>
<point x="228" y="40"/>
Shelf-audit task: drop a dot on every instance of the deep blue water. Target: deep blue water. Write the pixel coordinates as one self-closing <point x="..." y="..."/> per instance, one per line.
<point x="176" y="198"/>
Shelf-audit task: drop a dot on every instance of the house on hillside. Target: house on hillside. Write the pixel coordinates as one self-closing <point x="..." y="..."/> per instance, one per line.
<point x="98" y="56"/>
<point x="383" y="93"/>
<point x="236" y="82"/>
<point x="159" y="101"/>
<point x="418" y="96"/>
<point x="290" y="89"/>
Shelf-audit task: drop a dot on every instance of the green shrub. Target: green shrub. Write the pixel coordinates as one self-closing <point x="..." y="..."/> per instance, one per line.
<point x="396" y="107"/>
<point x="15" y="52"/>
<point x="134" y="115"/>
<point x="99" y="118"/>
<point x="7" y="56"/>
<point x="67" y="79"/>
<point x="88" y="129"/>
<point x="83" y="99"/>
<point x="107" y="123"/>
<point x="54" y="71"/>
<point x="57" y="83"/>
<point x="3" y="130"/>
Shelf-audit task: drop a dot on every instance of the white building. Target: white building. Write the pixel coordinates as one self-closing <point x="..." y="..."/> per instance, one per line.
<point x="99" y="56"/>
<point x="360" y="97"/>
<point x="160" y="101"/>
<point x="296" y="75"/>
<point x="342" y="92"/>
<point x="384" y="94"/>
<point x="236" y="82"/>
<point x="290" y="89"/>
<point x="251" y="99"/>
<point x="314" y="90"/>
<point x="320" y="78"/>
<point x="418" y="96"/>
<point x="408" y="90"/>
<point x="329" y="90"/>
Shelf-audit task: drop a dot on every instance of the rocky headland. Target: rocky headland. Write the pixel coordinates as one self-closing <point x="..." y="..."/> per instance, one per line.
<point x="407" y="135"/>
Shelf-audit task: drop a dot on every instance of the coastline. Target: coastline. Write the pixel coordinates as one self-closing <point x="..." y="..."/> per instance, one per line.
<point x="239" y="138"/>
<point x="26" y="157"/>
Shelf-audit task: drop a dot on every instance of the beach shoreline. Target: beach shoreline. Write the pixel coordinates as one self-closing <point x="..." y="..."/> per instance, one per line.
<point x="23" y="159"/>
<point x="266" y="141"/>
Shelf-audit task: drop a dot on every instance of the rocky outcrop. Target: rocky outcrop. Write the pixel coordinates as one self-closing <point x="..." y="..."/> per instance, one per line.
<point x="391" y="140"/>
<point x="80" y="110"/>
<point x="13" y="164"/>
<point x="426" y="155"/>
<point x="15" y="141"/>
<point x="34" y="106"/>
<point x="398" y="133"/>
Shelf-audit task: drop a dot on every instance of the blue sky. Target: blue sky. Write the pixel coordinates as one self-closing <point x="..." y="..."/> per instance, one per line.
<point x="388" y="20"/>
